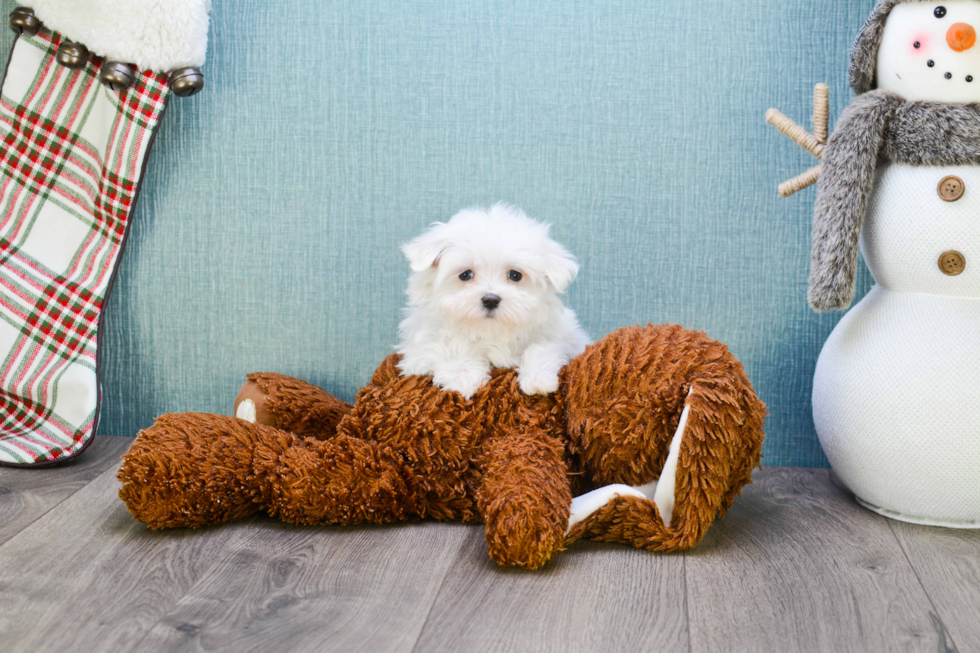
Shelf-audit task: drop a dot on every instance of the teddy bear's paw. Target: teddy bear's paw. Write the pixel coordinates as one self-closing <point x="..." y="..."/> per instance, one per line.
<point x="518" y="538"/>
<point x="537" y="382"/>
<point x="246" y="410"/>
<point x="585" y="505"/>
<point x="251" y="404"/>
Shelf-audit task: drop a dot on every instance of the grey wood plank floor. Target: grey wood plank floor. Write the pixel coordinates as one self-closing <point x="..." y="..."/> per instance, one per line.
<point x="26" y="494"/>
<point x="795" y="566"/>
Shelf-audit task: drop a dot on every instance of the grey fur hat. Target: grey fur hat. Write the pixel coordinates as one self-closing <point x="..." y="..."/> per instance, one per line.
<point x="864" y="54"/>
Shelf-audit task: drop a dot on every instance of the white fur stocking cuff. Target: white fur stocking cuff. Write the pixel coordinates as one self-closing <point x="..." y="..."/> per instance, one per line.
<point x="159" y="35"/>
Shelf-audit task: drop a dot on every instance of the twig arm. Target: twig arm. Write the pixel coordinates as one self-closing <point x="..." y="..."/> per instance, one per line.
<point x="821" y="113"/>
<point x="813" y="143"/>
<point x="796" y="184"/>
<point x="797" y="134"/>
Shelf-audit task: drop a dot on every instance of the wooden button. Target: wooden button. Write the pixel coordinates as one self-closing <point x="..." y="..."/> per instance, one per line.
<point x="952" y="263"/>
<point x="951" y="188"/>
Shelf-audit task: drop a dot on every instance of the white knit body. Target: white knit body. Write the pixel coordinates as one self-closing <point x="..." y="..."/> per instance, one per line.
<point x="896" y="393"/>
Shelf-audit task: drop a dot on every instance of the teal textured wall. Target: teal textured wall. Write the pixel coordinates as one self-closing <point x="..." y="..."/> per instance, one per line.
<point x="267" y="233"/>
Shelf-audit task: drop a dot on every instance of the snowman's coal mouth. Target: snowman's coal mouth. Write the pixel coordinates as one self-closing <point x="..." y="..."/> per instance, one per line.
<point x="968" y="79"/>
<point x="947" y="75"/>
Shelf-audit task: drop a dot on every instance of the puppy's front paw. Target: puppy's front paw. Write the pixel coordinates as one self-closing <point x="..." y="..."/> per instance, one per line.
<point x="537" y="382"/>
<point x="464" y="381"/>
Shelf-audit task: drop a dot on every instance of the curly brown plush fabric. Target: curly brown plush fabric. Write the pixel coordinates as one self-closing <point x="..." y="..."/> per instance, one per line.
<point x="622" y="415"/>
<point x="407" y="450"/>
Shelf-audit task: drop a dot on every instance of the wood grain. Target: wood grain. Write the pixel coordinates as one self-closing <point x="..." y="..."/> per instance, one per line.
<point x="589" y="598"/>
<point x="795" y="566"/>
<point x="26" y="494"/>
<point x="798" y="566"/>
<point x="947" y="562"/>
<point x="315" y="589"/>
<point x="87" y="577"/>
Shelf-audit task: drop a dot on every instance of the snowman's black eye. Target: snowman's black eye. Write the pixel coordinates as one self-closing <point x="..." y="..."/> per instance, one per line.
<point x="940" y="12"/>
<point x="931" y="63"/>
<point x="466" y="276"/>
<point x="969" y="78"/>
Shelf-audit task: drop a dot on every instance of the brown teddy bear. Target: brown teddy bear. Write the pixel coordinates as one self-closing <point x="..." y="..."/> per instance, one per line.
<point x="407" y="450"/>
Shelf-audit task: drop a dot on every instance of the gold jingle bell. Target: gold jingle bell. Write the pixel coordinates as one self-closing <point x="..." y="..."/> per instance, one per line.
<point x="72" y="55"/>
<point x="116" y="75"/>
<point x="185" y="82"/>
<point x="24" y="22"/>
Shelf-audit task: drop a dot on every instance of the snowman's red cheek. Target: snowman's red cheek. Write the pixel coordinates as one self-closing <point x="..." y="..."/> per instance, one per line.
<point x="919" y="44"/>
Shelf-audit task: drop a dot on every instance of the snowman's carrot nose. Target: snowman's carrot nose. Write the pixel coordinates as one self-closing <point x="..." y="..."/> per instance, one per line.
<point x="961" y="37"/>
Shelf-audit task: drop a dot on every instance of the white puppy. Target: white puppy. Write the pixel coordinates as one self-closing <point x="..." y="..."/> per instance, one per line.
<point x="484" y="292"/>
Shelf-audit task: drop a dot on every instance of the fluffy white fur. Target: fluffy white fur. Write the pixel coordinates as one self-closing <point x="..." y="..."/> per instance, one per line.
<point x="449" y="333"/>
<point x="156" y="34"/>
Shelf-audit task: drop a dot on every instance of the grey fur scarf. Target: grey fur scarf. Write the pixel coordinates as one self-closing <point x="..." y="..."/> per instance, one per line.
<point x="876" y="126"/>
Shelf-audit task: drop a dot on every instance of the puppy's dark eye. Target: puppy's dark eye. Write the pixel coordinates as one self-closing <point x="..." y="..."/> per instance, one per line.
<point x="515" y="276"/>
<point x="940" y="12"/>
<point x="466" y="276"/>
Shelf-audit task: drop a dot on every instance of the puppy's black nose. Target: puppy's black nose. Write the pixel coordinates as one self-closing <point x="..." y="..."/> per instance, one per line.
<point x="491" y="302"/>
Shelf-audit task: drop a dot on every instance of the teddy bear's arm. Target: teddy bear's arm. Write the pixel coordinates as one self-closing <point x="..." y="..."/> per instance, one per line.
<point x="525" y="494"/>
<point x="191" y="470"/>
<point x="290" y="404"/>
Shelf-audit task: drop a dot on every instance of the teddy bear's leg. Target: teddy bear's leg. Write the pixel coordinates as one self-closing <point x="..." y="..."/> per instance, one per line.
<point x="668" y="419"/>
<point x="704" y="471"/>
<point x="343" y="480"/>
<point x="660" y="491"/>
<point x="191" y="470"/>
<point x="289" y="404"/>
<point x="403" y="451"/>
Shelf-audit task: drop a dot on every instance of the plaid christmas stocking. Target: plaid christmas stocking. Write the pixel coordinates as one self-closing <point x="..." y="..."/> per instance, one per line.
<point x="71" y="160"/>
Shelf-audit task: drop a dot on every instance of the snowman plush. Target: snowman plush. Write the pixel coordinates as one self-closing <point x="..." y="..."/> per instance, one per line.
<point x="896" y="394"/>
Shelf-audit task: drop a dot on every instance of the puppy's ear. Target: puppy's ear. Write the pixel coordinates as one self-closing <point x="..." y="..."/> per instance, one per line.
<point x="424" y="252"/>
<point x="560" y="267"/>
